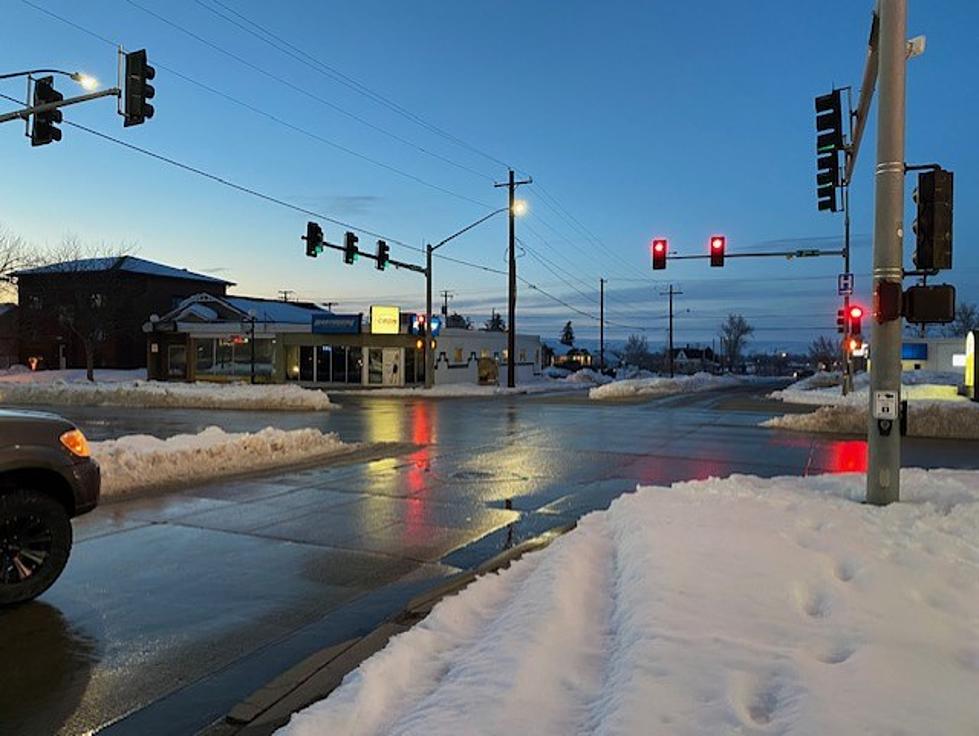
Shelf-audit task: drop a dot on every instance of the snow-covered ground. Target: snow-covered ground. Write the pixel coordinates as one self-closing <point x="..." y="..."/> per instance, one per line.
<point x="655" y="386"/>
<point x="824" y="389"/>
<point x="122" y="388"/>
<point x="949" y="420"/>
<point x="137" y="462"/>
<point x="736" y="606"/>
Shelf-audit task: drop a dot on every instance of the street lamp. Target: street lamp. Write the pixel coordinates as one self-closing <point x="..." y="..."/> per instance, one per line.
<point x="85" y="80"/>
<point x="519" y="208"/>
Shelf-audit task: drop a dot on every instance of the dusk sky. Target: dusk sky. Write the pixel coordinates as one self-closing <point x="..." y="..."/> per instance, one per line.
<point x="635" y="120"/>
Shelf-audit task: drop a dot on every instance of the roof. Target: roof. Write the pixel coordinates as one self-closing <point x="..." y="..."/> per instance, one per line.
<point x="130" y="264"/>
<point x="270" y="310"/>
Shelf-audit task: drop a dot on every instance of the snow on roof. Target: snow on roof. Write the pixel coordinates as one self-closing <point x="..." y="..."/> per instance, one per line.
<point x="130" y="264"/>
<point x="268" y="310"/>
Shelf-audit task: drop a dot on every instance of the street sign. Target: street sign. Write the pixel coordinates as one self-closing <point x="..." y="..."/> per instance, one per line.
<point x="844" y="284"/>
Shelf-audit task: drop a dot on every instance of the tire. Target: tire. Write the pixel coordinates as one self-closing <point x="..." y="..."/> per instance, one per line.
<point x="35" y="541"/>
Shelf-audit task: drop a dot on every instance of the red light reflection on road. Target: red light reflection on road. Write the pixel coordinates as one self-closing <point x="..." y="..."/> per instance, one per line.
<point x="418" y="474"/>
<point x="847" y="456"/>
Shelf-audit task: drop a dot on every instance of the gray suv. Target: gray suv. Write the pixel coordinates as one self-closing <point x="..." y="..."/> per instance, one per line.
<point x="46" y="477"/>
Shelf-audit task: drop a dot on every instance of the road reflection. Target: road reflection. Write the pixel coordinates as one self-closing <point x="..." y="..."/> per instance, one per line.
<point x="45" y="671"/>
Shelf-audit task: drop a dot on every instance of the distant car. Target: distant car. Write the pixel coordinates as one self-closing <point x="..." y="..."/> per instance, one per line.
<point x="46" y="477"/>
<point x="803" y="373"/>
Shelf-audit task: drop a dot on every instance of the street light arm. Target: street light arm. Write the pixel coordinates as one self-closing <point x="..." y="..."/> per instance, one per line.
<point x="468" y="228"/>
<point x="74" y="75"/>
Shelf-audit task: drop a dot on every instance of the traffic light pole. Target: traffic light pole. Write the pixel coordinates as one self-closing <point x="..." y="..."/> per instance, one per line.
<point x="601" y="325"/>
<point x="884" y="438"/>
<point x="26" y="112"/>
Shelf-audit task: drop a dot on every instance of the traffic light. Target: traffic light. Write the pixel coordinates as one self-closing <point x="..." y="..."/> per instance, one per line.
<point x="840" y="321"/>
<point x="856" y="314"/>
<point x="136" y="109"/>
<point x="658" y="249"/>
<point x="854" y="344"/>
<point x="350" y="247"/>
<point x="314" y="239"/>
<point x="45" y="128"/>
<point x="932" y="304"/>
<point x="933" y="226"/>
<point x="383" y="255"/>
<point x="829" y="141"/>
<point x="717" y="245"/>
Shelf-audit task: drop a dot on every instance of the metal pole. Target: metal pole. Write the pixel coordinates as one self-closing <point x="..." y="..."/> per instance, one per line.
<point x="884" y="445"/>
<point x="429" y="353"/>
<point x="511" y="375"/>
<point x="252" y="343"/>
<point x="847" y="353"/>
<point x="601" y="326"/>
<point x="671" y="331"/>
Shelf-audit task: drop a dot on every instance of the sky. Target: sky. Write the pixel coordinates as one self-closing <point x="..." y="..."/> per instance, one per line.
<point x="634" y="119"/>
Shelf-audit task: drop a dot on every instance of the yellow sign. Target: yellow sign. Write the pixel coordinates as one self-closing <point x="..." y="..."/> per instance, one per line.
<point x="385" y="320"/>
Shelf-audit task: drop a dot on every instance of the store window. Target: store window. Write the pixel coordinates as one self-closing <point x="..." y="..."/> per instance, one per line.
<point x="457" y="355"/>
<point x="324" y="363"/>
<point x="292" y="362"/>
<point x="355" y="365"/>
<point x="375" y="366"/>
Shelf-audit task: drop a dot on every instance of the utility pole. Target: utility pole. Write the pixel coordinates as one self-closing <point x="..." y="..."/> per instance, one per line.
<point x="285" y="294"/>
<point x="672" y="292"/>
<point x="446" y="295"/>
<point x="884" y="438"/>
<point x="330" y="305"/>
<point x="601" y="325"/>
<point x="511" y="374"/>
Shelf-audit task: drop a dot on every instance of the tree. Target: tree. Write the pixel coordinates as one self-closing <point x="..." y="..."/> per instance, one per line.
<point x="966" y="320"/>
<point x="734" y="336"/>
<point x="567" y="334"/>
<point x="824" y="351"/>
<point x="80" y="294"/>
<point x="14" y="255"/>
<point x="636" y="352"/>
<point x="495" y="323"/>
<point x="457" y="320"/>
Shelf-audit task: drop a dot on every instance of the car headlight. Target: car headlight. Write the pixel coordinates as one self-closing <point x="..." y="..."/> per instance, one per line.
<point x="76" y="443"/>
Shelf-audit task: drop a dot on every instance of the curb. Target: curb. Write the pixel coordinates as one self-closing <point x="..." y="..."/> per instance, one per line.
<point x="313" y="679"/>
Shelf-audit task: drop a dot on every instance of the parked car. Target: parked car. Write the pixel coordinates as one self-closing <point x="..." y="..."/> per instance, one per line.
<point x="47" y="477"/>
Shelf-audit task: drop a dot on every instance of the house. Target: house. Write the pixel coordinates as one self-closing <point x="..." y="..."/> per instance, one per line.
<point x="574" y="359"/>
<point x="689" y="360"/>
<point x="98" y="306"/>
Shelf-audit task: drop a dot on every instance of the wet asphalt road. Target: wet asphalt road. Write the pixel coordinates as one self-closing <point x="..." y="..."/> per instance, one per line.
<point x="173" y="607"/>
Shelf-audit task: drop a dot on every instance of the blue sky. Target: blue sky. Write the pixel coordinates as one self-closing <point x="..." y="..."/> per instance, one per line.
<point x="635" y="120"/>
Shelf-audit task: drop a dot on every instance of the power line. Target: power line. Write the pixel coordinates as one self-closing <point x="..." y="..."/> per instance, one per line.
<point x="295" y="87"/>
<point x="271" y="116"/>
<point x="349" y="82"/>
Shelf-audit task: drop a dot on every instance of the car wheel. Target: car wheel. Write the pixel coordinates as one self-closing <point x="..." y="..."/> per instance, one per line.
<point x="35" y="539"/>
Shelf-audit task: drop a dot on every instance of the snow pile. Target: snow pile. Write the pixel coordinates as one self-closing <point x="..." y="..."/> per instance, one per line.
<point x="632" y="372"/>
<point x="821" y="389"/>
<point x="554" y="372"/>
<point x="23" y="374"/>
<point x="137" y="462"/>
<point x="634" y="387"/>
<point x="742" y="605"/>
<point x="162" y="394"/>
<point x="958" y="420"/>
<point x="588" y="376"/>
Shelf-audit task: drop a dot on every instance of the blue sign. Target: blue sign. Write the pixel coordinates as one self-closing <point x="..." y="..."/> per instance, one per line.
<point x="337" y="324"/>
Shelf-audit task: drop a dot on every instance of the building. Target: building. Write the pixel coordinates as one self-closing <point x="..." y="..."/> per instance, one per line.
<point x="8" y="335"/>
<point x="946" y="354"/>
<point x="215" y="338"/>
<point x="98" y="305"/>
<point x="690" y="360"/>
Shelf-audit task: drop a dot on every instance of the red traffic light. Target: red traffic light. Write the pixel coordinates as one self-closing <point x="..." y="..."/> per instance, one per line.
<point x="659" y="249"/>
<point x="856" y="312"/>
<point x="717" y="245"/>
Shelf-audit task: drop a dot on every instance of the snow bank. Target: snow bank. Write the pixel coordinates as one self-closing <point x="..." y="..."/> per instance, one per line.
<point x="588" y="376"/>
<point x="23" y="374"/>
<point x="137" y="462"/>
<point x="633" y="387"/>
<point x="742" y="605"/>
<point x="152" y="394"/>
<point x="958" y="420"/>
<point x="823" y="389"/>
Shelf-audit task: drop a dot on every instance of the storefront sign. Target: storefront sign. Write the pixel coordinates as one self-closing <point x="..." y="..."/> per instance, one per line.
<point x="336" y="324"/>
<point x="385" y="320"/>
